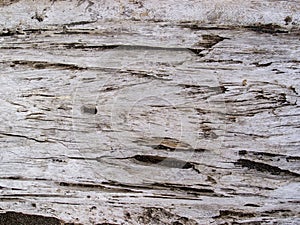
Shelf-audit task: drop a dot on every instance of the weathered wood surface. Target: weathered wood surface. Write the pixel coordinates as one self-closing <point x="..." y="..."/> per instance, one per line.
<point x="146" y="112"/>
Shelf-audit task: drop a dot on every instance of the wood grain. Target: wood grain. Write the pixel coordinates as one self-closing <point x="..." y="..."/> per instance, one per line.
<point x="139" y="112"/>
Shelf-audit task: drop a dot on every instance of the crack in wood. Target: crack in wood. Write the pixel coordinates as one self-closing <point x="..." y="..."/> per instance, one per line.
<point x="44" y="65"/>
<point x="29" y="219"/>
<point x="245" y="170"/>
<point x="97" y="186"/>
<point x="257" y="27"/>
<point x="263" y="167"/>
<point x="23" y="136"/>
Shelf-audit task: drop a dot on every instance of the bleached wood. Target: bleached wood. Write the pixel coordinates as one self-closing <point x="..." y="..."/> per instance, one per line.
<point x="94" y="95"/>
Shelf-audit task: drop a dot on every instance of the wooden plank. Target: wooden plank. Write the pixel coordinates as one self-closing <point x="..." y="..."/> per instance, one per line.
<point x="134" y="112"/>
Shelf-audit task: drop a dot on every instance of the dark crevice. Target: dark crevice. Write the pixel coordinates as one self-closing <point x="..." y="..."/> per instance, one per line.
<point x="234" y="214"/>
<point x="44" y="65"/>
<point x="89" y="109"/>
<point x="197" y="51"/>
<point x="256" y="27"/>
<point x="262" y="64"/>
<point x="171" y="144"/>
<point x="267" y="154"/>
<point x="205" y="190"/>
<point x="209" y="40"/>
<point x="266" y="28"/>
<point x="96" y="186"/>
<point x="10" y="32"/>
<point x="83" y="46"/>
<point x="80" y="23"/>
<point x="163" y="161"/>
<point x="194" y="26"/>
<point x="40" y="95"/>
<point x="227" y="61"/>
<point x="205" y="89"/>
<point x="263" y="167"/>
<point x="245" y="134"/>
<point x="251" y="205"/>
<point x="28" y="219"/>
<point x="292" y="158"/>
<point x="146" y="74"/>
<point x="23" y="136"/>
<point x="187" y="189"/>
<point x="155" y="160"/>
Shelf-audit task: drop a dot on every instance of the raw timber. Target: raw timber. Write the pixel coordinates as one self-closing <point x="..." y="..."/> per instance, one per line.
<point x="149" y="112"/>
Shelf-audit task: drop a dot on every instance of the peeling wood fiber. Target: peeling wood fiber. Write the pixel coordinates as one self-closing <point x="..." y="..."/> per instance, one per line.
<point x="147" y="112"/>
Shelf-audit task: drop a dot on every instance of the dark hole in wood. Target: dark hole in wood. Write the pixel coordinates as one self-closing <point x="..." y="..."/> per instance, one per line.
<point x="20" y="218"/>
<point x="88" y="109"/>
<point x="163" y="161"/>
<point x="287" y="20"/>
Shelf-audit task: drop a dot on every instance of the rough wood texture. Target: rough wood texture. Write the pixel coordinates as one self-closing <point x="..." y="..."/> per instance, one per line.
<point x="146" y="112"/>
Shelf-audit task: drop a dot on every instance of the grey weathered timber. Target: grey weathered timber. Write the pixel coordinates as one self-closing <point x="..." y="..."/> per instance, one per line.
<point x="149" y="112"/>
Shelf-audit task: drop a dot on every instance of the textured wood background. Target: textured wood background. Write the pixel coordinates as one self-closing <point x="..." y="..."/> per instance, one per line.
<point x="149" y="112"/>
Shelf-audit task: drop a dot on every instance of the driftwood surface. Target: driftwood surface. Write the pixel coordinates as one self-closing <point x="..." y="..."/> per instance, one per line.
<point x="149" y="112"/>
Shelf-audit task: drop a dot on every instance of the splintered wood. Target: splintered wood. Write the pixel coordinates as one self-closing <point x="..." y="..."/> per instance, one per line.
<point x="146" y="112"/>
